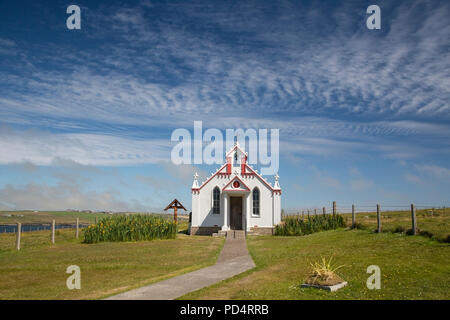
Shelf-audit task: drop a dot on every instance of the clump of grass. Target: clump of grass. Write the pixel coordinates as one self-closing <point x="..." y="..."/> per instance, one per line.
<point x="410" y="232"/>
<point x="445" y="239"/>
<point x="130" y="228"/>
<point x="399" y="229"/>
<point x="298" y="225"/>
<point x="358" y="226"/>
<point x="323" y="273"/>
<point x="425" y="233"/>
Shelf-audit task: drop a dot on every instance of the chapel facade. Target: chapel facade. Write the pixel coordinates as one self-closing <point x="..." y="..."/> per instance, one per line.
<point x="235" y="197"/>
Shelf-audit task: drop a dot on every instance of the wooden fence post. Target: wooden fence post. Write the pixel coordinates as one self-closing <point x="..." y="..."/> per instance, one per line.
<point x="18" y="234"/>
<point x="323" y="210"/>
<point x="334" y="207"/>
<point x="378" y="218"/>
<point x="353" y="216"/>
<point x="96" y="220"/>
<point x="77" y="227"/>
<point x="315" y="211"/>
<point x="413" y="218"/>
<point x="53" y="231"/>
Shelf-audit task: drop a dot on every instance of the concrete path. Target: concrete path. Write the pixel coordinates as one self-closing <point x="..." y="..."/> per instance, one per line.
<point x="233" y="260"/>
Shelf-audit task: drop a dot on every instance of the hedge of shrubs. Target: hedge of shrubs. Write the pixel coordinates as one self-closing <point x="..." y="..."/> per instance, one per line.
<point x="299" y="225"/>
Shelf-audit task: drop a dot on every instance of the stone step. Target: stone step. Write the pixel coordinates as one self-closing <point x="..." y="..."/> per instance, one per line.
<point x="230" y="234"/>
<point x="234" y="234"/>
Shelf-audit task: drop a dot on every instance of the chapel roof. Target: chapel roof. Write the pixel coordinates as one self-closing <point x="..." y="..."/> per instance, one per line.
<point x="254" y="172"/>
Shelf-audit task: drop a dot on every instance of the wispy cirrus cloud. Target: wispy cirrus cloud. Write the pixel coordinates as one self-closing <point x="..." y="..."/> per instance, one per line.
<point x="433" y="171"/>
<point x="112" y="93"/>
<point x="413" y="178"/>
<point x="159" y="66"/>
<point x="42" y="148"/>
<point x="7" y="47"/>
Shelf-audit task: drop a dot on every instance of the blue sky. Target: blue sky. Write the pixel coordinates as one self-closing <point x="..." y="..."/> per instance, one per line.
<point x="86" y="115"/>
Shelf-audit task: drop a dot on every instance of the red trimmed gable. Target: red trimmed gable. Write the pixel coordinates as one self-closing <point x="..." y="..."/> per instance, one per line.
<point x="261" y="178"/>
<point x="240" y="187"/>
<point x="246" y="171"/>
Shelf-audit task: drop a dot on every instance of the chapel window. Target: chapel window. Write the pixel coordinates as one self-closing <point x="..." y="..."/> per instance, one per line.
<point x="256" y="202"/>
<point x="216" y="200"/>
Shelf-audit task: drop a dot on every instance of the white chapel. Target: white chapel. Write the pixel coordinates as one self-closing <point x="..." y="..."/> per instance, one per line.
<point x="235" y="197"/>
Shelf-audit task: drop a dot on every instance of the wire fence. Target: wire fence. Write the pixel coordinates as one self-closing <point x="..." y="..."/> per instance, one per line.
<point x="347" y="208"/>
<point x="427" y="220"/>
<point x="27" y="228"/>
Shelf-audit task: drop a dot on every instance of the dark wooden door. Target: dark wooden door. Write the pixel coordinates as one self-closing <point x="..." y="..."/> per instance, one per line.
<point x="236" y="213"/>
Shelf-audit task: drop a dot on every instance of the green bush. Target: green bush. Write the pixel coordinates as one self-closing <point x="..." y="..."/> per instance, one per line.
<point x="130" y="228"/>
<point x="299" y="226"/>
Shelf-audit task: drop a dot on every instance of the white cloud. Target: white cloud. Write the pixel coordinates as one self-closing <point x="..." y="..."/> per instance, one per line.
<point x="43" y="148"/>
<point x="184" y="172"/>
<point x="142" y="81"/>
<point x="413" y="179"/>
<point x="60" y="197"/>
<point x="325" y="180"/>
<point x="434" y="171"/>
<point x="7" y="47"/>
<point x="367" y="76"/>
<point x="361" y="184"/>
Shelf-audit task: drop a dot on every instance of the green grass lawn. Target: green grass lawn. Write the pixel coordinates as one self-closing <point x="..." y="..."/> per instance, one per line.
<point x="37" y="271"/>
<point x="412" y="267"/>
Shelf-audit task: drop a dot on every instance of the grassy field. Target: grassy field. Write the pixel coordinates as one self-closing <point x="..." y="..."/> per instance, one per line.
<point x="434" y="221"/>
<point x="38" y="270"/>
<point x="69" y="217"/>
<point x="412" y="267"/>
<point x="11" y="217"/>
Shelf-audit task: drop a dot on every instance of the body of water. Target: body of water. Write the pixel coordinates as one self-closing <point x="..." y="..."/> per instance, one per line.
<point x="12" y="228"/>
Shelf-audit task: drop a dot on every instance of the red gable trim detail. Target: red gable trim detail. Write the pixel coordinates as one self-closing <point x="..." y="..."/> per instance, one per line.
<point x="236" y="178"/>
<point x="261" y="178"/>
<point x="204" y="183"/>
<point x="223" y="174"/>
